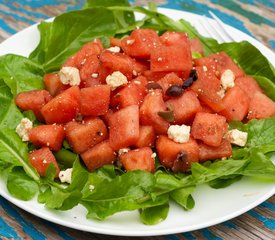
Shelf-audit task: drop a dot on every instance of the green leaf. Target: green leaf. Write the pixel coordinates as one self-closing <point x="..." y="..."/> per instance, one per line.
<point x="15" y="152"/>
<point x="260" y="166"/>
<point x="62" y="200"/>
<point x="10" y="115"/>
<point x="154" y="215"/>
<point x="65" y="157"/>
<point x="204" y="173"/>
<point x="21" y="185"/>
<point x="241" y="52"/>
<point x="20" y="73"/>
<point x="223" y="182"/>
<point x="69" y="32"/>
<point x="267" y="85"/>
<point x="123" y="19"/>
<point x="119" y="194"/>
<point x="183" y="197"/>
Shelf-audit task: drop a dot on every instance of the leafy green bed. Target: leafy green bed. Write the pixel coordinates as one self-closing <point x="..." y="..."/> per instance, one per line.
<point x="114" y="190"/>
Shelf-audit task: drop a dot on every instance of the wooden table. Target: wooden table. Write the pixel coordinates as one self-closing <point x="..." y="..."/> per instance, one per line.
<point x="253" y="17"/>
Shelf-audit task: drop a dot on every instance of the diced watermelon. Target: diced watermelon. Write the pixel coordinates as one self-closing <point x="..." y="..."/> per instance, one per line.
<point x="84" y="135"/>
<point x="169" y="80"/>
<point x="210" y="128"/>
<point x="235" y="104"/>
<point x="217" y="63"/>
<point x="207" y="152"/>
<point x="124" y="127"/>
<point x="171" y="58"/>
<point x="41" y="159"/>
<point x="207" y="87"/>
<point x="152" y="104"/>
<point x="33" y="100"/>
<point x="140" y="43"/>
<point x="147" y="137"/>
<point x="115" y="42"/>
<point x="99" y="155"/>
<point x="248" y="85"/>
<point x="53" y="84"/>
<point x="138" y="159"/>
<point x="260" y="107"/>
<point x="62" y="108"/>
<point x="91" y="48"/>
<point x="184" y="107"/>
<point x="174" y="38"/>
<point x="196" y="46"/>
<point x="117" y="62"/>
<point x="94" y="101"/>
<point x="177" y="156"/>
<point x="51" y="136"/>
<point x="132" y="94"/>
<point x="89" y="66"/>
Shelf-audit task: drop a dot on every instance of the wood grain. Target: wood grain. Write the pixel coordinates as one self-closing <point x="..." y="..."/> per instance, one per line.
<point x="253" y="17"/>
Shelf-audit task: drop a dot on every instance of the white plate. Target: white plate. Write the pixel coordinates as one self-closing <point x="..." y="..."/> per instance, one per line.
<point x="212" y="206"/>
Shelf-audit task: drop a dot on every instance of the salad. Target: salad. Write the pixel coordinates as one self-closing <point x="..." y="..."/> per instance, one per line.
<point x="117" y="114"/>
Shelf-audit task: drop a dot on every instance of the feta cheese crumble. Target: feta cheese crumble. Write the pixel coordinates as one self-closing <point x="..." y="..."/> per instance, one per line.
<point x="91" y="187"/>
<point x="115" y="49"/>
<point x="227" y="79"/>
<point x="237" y="137"/>
<point x="69" y="75"/>
<point x="66" y="175"/>
<point x="116" y="79"/>
<point x="179" y="134"/>
<point x="123" y="150"/>
<point x="23" y="129"/>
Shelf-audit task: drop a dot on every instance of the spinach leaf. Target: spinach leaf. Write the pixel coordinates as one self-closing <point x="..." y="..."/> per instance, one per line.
<point x="15" y="152"/>
<point x="21" y="185"/>
<point x="69" y="32"/>
<point x="123" y="19"/>
<point x="20" y="73"/>
<point x="154" y="215"/>
<point x="267" y="85"/>
<point x="10" y="115"/>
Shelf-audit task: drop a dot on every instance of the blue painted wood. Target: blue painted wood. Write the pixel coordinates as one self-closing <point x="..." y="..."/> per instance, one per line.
<point x="27" y="12"/>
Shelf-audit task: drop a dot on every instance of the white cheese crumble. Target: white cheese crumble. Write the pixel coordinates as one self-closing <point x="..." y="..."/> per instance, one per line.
<point x="153" y="155"/>
<point x="91" y="187"/>
<point x="69" y="75"/>
<point x="237" y="137"/>
<point x="115" y="49"/>
<point x="179" y="134"/>
<point x="227" y="79"/>
<point x="94" y="75"/>
<point x="23" y="129"/>
<point x="130" y="41"/>
<point x="123" y="150"/>
<point x="221" y="93"/>
<point x="116" y="79"/>
<point x="66" y="175"/>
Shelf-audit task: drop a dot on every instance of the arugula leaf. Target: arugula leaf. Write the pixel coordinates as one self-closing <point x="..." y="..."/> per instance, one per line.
<point x="69" y="32"/>
<point x="183" y="197"/>
<point x="15" y="152"/>
<point x="20" y="73"/>
<point x="224" y="181"/>
<point x="154" y="215"/>
<point x="119" y="194"/>
<point x="21" y="185"/>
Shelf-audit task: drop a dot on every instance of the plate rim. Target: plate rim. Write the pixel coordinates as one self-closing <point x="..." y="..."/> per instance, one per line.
<point x="155" y="232"/>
